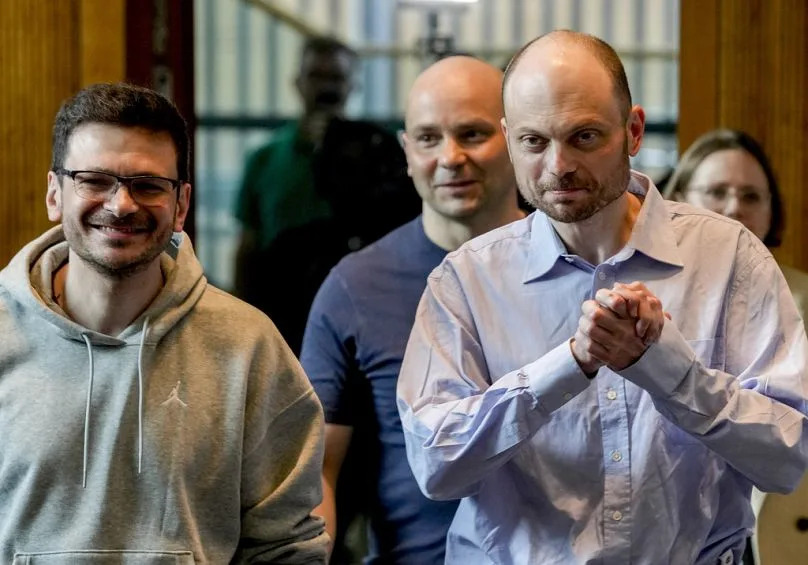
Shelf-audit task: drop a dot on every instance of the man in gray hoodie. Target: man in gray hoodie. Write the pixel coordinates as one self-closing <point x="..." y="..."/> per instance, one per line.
<point x="145" y="416"/>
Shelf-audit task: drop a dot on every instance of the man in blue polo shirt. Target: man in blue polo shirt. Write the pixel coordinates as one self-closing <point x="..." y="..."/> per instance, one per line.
<point x="361" y="318"/>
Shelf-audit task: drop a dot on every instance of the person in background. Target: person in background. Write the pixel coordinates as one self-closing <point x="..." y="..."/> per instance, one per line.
<point x="146" y="417"/>
<point x="543" y="384"/>
<point x="728" y="172"/>
<point x="362" y="315"/>
<point x="321" y="187"/>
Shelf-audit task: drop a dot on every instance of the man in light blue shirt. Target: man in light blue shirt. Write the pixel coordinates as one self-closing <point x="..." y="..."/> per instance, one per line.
<point x="542" y="383"/>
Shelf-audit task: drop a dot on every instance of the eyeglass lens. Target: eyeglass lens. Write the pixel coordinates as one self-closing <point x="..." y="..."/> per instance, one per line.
<point x="146" y="190"/>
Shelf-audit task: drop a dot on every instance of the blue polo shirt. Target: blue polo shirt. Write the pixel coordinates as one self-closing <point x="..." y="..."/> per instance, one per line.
<point x="355" y="339"/>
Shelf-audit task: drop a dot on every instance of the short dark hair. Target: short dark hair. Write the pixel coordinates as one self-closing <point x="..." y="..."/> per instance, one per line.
<point x="601" y="50"/>
<point x="325" y="45"/>
<point x="121" y="104"/>
<point x="719" y="140"/>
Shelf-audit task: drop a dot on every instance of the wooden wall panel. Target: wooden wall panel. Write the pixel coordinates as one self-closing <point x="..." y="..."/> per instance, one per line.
<point x="103" y="25"/>
<point x="698" y="69"/>
<point x="38" y="68"/>
<point x="48" y="49"/>
<point x="744" y="64"/>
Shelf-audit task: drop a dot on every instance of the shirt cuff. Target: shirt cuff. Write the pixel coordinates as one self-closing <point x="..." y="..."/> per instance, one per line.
<point x="664" y="365"/>
<point x="555" y="378"/>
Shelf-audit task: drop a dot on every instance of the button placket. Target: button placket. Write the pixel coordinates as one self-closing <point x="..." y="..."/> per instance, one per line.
<point x="616" y="458"/>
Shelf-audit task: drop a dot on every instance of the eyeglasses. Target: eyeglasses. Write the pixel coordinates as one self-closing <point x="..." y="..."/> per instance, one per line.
<point x="720" y="194"/>
<point x="144" y="189"/>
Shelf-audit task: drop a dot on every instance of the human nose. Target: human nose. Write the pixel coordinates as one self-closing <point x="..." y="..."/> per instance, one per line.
<point x="732" y="205"/>
<point x="559" y="160"/>
<point x="452" y="154"/>
<point x="119" y="200"/>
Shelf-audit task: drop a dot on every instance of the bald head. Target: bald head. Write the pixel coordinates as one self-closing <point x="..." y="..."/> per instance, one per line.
<point x="456" y="152"/>
<point x="459" y="78"/>
<point x="567" y="51"/>
<point x="570" y="125"/>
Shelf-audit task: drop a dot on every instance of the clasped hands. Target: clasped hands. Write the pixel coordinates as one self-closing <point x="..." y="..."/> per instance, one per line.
<point x="617" y="327"/>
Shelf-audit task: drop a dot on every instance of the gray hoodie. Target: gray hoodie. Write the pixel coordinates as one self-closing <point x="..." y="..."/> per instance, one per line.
<point x="192" y="437"/>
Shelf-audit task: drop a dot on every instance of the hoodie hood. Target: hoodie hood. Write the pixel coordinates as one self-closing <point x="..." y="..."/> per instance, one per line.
<point x="28" y="280"/>
<point x="204" y="447"/>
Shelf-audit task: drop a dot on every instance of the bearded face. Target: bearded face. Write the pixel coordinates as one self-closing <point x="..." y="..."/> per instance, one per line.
<point x="577" y="195"/>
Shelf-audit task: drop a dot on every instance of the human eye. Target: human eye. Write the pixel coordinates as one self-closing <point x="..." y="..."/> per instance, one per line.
<point x="533" y="142"/>
<point x="587" y="136"/>
<point x="153" y="186"/>
<point x="90" y="180"/>
<point x="751" y="198"/>
<point x="426" y="139"/>
<point x="474" y="136"/>
<point x="716" y="192"/>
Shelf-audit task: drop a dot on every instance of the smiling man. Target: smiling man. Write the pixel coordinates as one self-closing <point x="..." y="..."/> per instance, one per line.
<point x="145" y="416"/>
<point x="542" y="383"/>
<point x="362" y="315"/>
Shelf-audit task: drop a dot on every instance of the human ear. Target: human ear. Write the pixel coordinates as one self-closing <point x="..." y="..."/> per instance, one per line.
<point x="183" y="205"/>
<point x="53" y="198"/>
<point x="503" y="123"/>
<point x="635" y="129"/>
<point x="405" y="144"/>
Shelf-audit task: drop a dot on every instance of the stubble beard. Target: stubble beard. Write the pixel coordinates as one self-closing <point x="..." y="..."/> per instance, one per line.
<point x="601" y="194"/>
<point x="116" y="269"/>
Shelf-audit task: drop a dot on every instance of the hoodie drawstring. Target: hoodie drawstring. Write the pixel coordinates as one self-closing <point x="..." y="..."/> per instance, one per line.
<point x="89" y="344"/>
<point x="87" y="412"/>
<point x="140" y="395"/>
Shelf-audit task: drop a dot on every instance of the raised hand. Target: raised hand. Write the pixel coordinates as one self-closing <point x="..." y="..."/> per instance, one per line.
<point x="635" y="301"/>
<point x="617" y="327"/>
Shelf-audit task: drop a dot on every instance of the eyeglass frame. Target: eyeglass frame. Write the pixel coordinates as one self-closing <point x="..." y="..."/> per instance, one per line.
<point x="737" y="192"/>
<point x="120" y="181"/>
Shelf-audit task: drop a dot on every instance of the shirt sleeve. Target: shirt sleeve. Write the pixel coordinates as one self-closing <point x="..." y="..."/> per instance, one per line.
<point x="328" y="354"/>
<point x="751" y="411"/>
<point x="282" y="461"/>
<point x="461" y="423"/>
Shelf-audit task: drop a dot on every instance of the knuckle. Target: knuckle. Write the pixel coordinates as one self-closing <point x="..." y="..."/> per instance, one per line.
<point x="597" y="317"/>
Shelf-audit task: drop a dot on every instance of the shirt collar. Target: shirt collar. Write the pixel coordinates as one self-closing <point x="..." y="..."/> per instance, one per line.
<point x="652" y="234"/>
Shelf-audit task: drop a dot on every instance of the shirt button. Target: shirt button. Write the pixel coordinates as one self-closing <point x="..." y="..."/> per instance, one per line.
<point x="617" y="515"/>
<point x="611" y="394"/>
<point x="617" y="456"/>
<point x="567" y="396"/>
<point x="602" y="275"/>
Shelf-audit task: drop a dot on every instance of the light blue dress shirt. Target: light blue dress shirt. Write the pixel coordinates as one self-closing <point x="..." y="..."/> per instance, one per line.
<point x="653" y="465"/>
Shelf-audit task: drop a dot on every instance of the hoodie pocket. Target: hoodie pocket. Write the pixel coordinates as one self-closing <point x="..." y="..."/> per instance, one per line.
<point x="105" y="557"/>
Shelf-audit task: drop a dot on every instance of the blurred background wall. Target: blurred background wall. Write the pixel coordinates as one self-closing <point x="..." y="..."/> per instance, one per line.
<point x="247" y="56"/>
<point x="229" y="64"/>
<point x="744" y="65"/>
<point x="48" y="49"/>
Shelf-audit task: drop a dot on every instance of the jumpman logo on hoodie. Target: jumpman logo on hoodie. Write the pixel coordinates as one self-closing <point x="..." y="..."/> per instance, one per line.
<point x="174" y="397"/>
